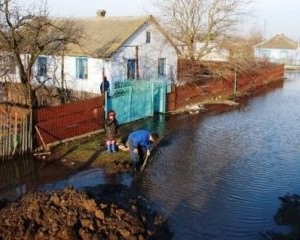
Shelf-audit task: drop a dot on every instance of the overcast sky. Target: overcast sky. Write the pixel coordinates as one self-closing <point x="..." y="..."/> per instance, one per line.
<point x="271" y="17"/>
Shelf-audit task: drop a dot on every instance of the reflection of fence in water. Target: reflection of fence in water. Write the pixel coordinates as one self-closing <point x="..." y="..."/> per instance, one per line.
<point x="15" y="132"/>
<point x="17" y="177"/>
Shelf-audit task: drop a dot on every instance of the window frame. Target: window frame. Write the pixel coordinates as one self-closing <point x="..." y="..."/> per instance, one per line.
<point x="148" y="37"/>
<point x="7" y="63"/>
<point x="131" y="68"/>
<point x="81" y="68"/>
<point x="42" y="66"/>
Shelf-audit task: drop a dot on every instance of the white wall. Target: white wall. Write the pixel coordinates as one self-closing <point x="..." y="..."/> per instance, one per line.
<point x="116" y="68"/>
<point x="91" y="84"/>
<point x="148" y="54"/>
<point x="285" y="56"/>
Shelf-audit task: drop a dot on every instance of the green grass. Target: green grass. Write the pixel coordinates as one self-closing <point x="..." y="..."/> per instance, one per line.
<point x="91" y="152"/>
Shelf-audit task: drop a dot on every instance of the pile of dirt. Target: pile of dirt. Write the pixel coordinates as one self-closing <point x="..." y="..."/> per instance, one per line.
<point x="108" y="212"/>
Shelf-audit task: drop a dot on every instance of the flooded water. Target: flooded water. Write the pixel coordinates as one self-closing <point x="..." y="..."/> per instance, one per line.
<point x="219" y="176"/>
<point x="16" y="177"/>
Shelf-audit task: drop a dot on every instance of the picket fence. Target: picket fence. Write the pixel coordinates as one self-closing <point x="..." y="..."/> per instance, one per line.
<point x="15" y="132"/>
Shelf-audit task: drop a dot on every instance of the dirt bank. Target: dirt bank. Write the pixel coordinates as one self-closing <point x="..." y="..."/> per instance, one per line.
<point x="110" y="212"/>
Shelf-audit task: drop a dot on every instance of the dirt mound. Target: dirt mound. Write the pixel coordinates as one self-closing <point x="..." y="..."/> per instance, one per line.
<point x="110" y="212"/>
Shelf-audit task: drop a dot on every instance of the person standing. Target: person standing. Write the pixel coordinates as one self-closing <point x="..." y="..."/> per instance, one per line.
<point x="111" y="128"/>
<point x="104" y="87"/>
<point x="140" y="144"/>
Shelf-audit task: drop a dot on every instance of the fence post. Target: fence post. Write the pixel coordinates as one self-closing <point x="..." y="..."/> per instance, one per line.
<point x="152" y="98"/>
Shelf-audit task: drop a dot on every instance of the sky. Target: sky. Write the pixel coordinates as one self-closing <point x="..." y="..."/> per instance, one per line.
<point x="270" y="17"/>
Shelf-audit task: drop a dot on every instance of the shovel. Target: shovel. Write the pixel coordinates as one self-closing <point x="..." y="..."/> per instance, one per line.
<point x="144" y="163"/>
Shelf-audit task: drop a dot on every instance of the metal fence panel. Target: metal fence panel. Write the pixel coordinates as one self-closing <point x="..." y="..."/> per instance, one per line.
<point x="133" y="100"/>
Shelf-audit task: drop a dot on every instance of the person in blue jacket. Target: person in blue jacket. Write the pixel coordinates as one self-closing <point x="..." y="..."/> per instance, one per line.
<point x="104" y="86"/>
<point x="140" y="143"/>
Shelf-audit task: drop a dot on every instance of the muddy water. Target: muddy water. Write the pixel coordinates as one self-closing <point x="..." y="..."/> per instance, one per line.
<point x="220" y="176"/>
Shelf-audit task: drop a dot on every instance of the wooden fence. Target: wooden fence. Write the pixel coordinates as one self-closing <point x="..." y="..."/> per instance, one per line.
<point x="204" y="88"/>
<point x="15" y="131"/>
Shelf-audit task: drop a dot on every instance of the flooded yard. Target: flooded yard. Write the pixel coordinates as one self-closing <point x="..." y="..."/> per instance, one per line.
<point x="218" y="176"/>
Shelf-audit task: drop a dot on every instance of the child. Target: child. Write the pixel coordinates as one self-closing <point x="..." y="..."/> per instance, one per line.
<point x="111" y="127"/>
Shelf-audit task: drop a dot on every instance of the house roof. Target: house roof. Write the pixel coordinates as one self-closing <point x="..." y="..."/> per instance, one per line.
<point x="279" y="41"/>
<point x="103" y="36"/>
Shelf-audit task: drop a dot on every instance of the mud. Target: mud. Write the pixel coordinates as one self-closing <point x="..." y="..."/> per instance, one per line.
<point x="110" y="212"/>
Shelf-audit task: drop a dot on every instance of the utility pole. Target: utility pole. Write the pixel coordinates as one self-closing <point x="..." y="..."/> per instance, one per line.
<point x="235" y="81"/>
<point x="62" y="73"/>
<point x="265" y="29"/>
<point x="137" y="62"/>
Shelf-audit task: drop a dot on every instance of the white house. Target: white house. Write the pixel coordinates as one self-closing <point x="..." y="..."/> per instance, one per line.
<point x="205" y="51"/>
<point x="119" y="48"/>
<point x="215" y="53"/>
<point x="279" y="49"/>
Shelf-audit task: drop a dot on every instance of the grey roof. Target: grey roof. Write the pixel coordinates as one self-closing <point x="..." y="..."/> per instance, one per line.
<point x="279" y="41"/>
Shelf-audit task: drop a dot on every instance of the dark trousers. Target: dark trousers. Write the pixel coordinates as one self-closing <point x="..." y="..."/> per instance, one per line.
<point x="136" y="158"/>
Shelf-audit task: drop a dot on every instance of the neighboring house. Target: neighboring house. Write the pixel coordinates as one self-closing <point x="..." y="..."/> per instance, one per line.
<point x="215" y="53"/>
<point x="279" y="49"/>
<point x="119" y="48"/>
<point x="206" y="52"/>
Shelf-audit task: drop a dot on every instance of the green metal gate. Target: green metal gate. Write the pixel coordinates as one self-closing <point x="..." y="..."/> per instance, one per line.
<point x="133" y="100"/>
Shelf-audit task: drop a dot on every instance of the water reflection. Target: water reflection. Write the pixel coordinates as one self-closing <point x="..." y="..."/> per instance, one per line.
<point x="17" y="176"/>
<point x="88" y="178"/>
<point x="221" y="176"/>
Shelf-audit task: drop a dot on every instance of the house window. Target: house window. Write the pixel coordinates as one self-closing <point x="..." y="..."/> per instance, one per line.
<point x="265" y="53"/>
<point x="7" y="64"/>
<point x="284" y="54"/>
<point x="131" y="66"/>
<point x="161" y="67"/>
<point x="148" y="37"/>
<point x="42" y="66"/>
<point x="81" y="68"/>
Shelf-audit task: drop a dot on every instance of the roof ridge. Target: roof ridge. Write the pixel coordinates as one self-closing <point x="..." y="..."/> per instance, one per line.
<point x="278" y="41"/>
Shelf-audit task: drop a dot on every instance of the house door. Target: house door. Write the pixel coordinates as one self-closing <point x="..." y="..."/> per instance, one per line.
<point x="131" y="66"/>
<point x="161" y="67"/>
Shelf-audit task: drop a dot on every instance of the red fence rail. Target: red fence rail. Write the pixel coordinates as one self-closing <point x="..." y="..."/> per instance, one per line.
<point x="200" y="89"/>
<point x="55" y="124"/>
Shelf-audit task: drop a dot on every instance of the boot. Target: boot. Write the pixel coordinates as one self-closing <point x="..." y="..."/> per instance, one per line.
<point x="108" y="148"/>
<point x="113" y="148"/>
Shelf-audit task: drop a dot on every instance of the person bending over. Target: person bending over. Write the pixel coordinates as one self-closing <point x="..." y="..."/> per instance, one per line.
<point x="140" y="144"/>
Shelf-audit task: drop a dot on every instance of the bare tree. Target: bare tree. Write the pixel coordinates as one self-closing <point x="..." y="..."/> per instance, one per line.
<point x="201" y="21"/>
<point x="28" y="33"/>
<point x="240" y="54"/>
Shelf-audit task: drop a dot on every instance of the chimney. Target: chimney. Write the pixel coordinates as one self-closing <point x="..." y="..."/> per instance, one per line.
<point x="101" y="13"/>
